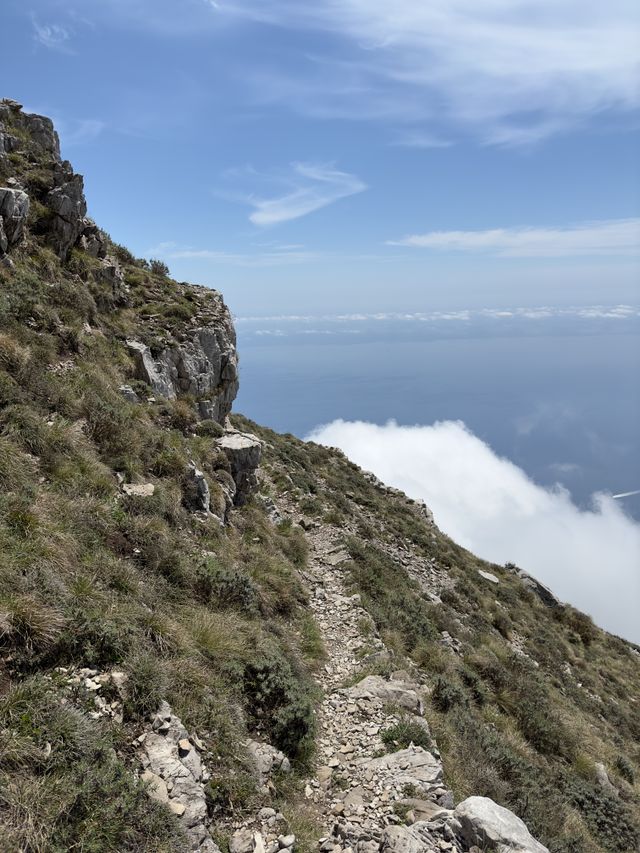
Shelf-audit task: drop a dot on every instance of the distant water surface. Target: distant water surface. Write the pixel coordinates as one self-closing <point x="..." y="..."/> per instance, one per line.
<point x="558" y="393"/>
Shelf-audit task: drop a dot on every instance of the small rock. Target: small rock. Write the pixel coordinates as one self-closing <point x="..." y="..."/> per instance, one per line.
<point x="139" y="490"/>
<point x="488" y="576"/>
<point x="241" y="841"/>
<point x="129" y="394"/>
<point x="265" y="813"/>
<point x="156" y="787"/>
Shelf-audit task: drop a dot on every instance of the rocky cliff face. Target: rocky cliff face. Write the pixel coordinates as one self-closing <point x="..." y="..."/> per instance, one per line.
<point x="203" y="365"/>
<point x="44" y="199"/>
<point x="29" y="144"/>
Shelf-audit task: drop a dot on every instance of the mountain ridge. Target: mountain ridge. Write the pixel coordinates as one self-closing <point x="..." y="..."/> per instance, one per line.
<point x="200" y="618"/>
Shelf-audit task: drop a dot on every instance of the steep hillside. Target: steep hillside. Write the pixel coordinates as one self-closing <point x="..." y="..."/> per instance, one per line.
<point x="213" y="636"/>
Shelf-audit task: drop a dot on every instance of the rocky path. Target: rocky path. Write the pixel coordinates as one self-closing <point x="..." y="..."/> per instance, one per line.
<point x="370" y="793"/>
<point x="361" y="791"/>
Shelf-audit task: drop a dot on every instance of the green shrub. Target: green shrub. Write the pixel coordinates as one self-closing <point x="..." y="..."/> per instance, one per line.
<point x="502" y="623"/>
<point x="625" y="769"/>
<point x="389" y="595"/>
<point x="224" y="587"/>
<point x="158" y="267"/>
<point x="280" y="702"/>
<point x="209" y="428"/>
<point x="607" y="816"/>
<point x="474" y="683"/>
<point x="447" y="694"/>
<point x="231" y="791"/>
<point x="28" y="623"/>
<point x="405" y="733"/>
<point x="145" y="687"/>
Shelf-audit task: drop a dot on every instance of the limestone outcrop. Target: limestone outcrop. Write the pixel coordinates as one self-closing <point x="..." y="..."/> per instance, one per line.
<point x="204" y="365"/>
<point x="14" y="209"/>
<point x="69" y="207"/>
<point x="195" y="358"/>
<point x="57" y="188"/>
<point x="174" y="774"/>
<point x="543" y="592"/>
<point x="196" y="493"/>
<point x="244" y="452"/>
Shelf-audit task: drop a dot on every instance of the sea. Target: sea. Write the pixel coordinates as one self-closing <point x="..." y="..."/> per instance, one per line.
<point x="554" y="390"/>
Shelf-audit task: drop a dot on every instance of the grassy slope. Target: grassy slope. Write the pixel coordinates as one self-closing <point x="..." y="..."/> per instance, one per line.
<point x="215" y="621"/>
<point x="526" y="735"/>
<point x="212" y="620"/>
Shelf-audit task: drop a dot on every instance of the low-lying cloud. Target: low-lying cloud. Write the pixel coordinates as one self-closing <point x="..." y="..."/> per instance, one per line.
<point x="590" y="558"/>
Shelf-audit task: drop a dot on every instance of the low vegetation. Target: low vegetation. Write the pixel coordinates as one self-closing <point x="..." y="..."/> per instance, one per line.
<point x="213" y="620"/>
<point x="527" y="699"/>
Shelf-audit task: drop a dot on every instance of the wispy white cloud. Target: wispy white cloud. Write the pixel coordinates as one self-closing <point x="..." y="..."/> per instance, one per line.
<point x="512" y="71"/>
<point x="609" y="237"/>
<point x="80" y="131"/>
<point x="305" y="188"/>
<point x="421" y="139"/>
<point x="52" y="36"/>
<point x="274" y="256"/>
<point x="489" y="505"/>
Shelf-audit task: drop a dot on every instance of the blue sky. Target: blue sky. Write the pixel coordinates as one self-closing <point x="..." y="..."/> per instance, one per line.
<point x="352" y="155"/>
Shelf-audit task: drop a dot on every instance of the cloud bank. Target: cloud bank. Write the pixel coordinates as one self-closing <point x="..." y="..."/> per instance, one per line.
<point x="609" y="237"/>
<point x="543" y="312"/>
<point x="590" y="558"/>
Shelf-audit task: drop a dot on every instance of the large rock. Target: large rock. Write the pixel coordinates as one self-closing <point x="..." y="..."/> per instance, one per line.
<point x="244" y="451"/>
<point x="8" y="143"/>
<point x="266" y="760"/>
<point x="92" y="240"/>
<point x="148" y="370"/>
<point x="401" y="693"/>
<point x="543" y="592"/>
<point x="401" y="839"/>
<point x="108" y="274"/>
<point x="42" y="133"/>
<point x="412" y="766"/>
<point x="480" y="821"/>
<point x="14" y="209"/>
<point x="205" y="364"/>
<point x="69" y="205"/>
<point x="602" y="778"/>
<point x="196" y="494"/>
